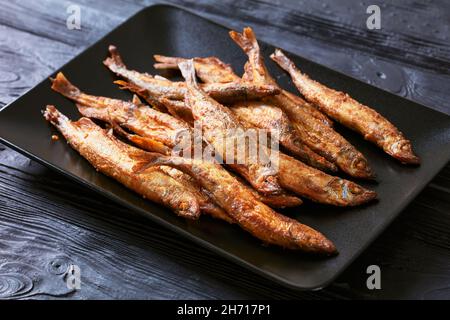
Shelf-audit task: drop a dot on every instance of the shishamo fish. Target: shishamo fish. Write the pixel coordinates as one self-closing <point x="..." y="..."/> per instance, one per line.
<point x="318" y="135"/>
<point x="352" y="114"/>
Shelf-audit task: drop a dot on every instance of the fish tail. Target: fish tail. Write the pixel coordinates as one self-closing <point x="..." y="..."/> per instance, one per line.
<point x="52" y="115"/>
<point x="163" y="62"/>
<point x="283" y="61"/>
<point x="246" y="40"/>
<point x="61" y="85"/>
<point x="145" y="160"/>
<point x="187" y="69"/>
<point x="114" y="58"/>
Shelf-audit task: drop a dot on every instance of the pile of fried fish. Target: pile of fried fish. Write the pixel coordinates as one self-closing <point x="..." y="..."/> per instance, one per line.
<point x="135" y="142"/>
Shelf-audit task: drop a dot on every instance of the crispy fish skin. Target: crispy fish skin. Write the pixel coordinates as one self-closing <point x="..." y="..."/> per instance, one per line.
<point x="112" y="157"/>
<point x="179" y="110"/>
<point x="257" y="114"/>
<point x="310" y="183"/>
<point x="305" y="105"/>
<point x="208" y="69"/>
<point x="320" y="187"/>
<point x="256" y="71"/>
<point x="207" y="205"/>
<point x="352" y="114"/>
<point x="251" y="113"/>
<point x="293" y="175"/>
<point x="325" y="141"/>
<point x="150" y="126"/>
<point x="219" y="122"/>
<point x="240" y="204"/>
<point x="265" y="116"/>
<point x="154" y="131"/>
<point x="317" y="135"/>
<point x="224" y="92"/>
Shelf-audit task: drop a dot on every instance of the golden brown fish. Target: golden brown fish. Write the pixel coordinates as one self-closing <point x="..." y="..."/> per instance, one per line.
<point x="352" y="114"/>
<point x="316" y="134"/>
<point x="112" y="157"/>
<point x="226" y="92"/>
<point x="266" y="116"/>
<point x="207" y="204"/>
<point x="220" y="128"/>
<point x="213" y="70"/>
<point x="151" y="129"/>
<point x="256" y="114"/>
<point x="241" y="205"/>
<point x="292" y="174"/>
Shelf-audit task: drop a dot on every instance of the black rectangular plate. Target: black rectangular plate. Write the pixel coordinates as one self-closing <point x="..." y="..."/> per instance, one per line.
<point x="172" y="31"/>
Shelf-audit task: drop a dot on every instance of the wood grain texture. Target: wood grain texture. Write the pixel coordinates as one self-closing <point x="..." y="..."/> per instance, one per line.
<point x="48" y="222"/>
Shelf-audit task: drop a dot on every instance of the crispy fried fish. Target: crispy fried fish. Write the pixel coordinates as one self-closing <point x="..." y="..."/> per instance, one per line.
<point x="316" y="134"/>
<point x="293" y="174"/>
<point x="251" y="113"/>
<point x="214" y="70"/>
<point x="226" y="92"/>
<point x="266" y="116"/>
<point x="241" y="205"/>
<point x="151" y="129"/>
<point x="257" y="114"/>
<point x="112" y="157"/>
<point x="207" y="204"/>
<point x="352" y="114"/>
<point x="320" y="187"/>
<point x="220" y="128"/>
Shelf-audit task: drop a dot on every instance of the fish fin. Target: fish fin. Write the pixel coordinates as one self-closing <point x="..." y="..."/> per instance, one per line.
<point x="149" y="144"/>
<point x="145" y="160"/>
<point x="124" y="85"/>
<point x="158" y="77"/>
<point x="136" y="100"/>
<point x="178" y="109"/>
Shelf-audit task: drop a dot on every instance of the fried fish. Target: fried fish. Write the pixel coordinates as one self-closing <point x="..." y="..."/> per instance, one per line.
<point x="151" y="86"/>
<point x="314" y="132"/>
<point x="256" y="114"/>
<point x="147" y="128"/>
<point x="220" y="129"/>
<point x="113" y="158"/>
<point x="293" y="175"/>
<point x="349" y="112"/>
<point x="241" y="205"/>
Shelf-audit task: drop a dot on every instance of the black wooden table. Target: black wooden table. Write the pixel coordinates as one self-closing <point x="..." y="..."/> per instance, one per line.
<point x="48" y="222"/>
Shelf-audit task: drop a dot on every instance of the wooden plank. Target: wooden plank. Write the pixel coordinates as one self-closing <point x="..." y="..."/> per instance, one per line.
<point x="25" y="61"/>
<point x="47" y="19"/>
